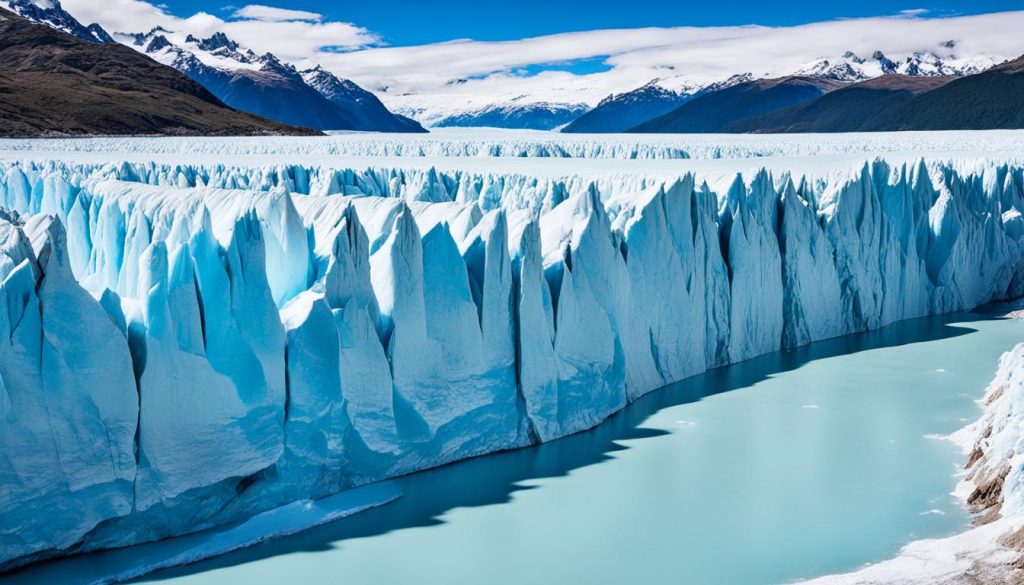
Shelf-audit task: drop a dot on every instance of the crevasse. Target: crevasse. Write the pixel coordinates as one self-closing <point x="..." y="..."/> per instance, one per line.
<point x="187" y="345"/>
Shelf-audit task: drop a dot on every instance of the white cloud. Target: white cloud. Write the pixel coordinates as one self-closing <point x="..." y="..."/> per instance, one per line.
<point x="271" y="14"/>
<point x="914" y="12"/>
<point x="290" y="34"/>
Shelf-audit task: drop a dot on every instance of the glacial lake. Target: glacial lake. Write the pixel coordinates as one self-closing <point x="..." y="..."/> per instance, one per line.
<point x="788" y="466"/>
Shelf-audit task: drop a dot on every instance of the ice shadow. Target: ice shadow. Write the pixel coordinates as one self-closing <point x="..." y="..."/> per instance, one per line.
<point x="493" y="479"/>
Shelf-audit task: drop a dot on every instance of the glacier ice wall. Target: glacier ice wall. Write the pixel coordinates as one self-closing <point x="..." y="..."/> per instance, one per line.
<point x="187" y="345"/>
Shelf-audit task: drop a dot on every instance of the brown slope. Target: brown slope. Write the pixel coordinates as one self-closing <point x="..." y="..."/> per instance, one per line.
<point x="989" y="100"/>
<point x="53" y="84"/>
<point x="725" y="109"/>
<point x="853" y="108"/>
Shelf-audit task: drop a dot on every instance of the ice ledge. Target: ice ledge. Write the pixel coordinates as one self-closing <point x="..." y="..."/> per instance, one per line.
<point x="122" y="565"/>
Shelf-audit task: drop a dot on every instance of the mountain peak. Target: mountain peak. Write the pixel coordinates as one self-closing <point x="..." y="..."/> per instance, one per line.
<point x="217" y="40"/>
<point x="852" y="57"/>
<point x="850" y="67"/>
<point x="100" y="34"/>
<point x="52" y="14"/>
<point x="887" y="65"/>
<point x="330" y="85"/>
<point x="119" y="92"/>
<point x="270" y="62"/>
<point x="156" y="43"/>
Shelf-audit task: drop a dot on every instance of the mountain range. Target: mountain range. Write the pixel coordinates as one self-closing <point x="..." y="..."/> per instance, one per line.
<point x="50" y="13"/>
<point x="991" y="99"/>
<point x="533" y="116"/>
<point x="719" y="111"/>
<point x="855" y="107"/>
<point x="620" y="112"/>
<point x="259" y="84"/>
<point x="922" y="90"/>
<point x="631" y="110"/>
<point x="54" y="83"/>
<point x="264" y="85"/>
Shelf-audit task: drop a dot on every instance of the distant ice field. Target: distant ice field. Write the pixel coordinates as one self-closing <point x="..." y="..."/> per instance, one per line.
<point x="491" y="143"/>
<point x="715" y="158"/>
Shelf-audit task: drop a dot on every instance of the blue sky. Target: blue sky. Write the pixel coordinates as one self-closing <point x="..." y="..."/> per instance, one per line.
<point x="423" y="21"/>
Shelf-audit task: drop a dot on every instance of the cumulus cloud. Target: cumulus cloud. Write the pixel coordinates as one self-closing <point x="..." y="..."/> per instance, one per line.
<point x="913" y="12"/>
<point x="272" y="14"/>
<point x="293" y="35"/>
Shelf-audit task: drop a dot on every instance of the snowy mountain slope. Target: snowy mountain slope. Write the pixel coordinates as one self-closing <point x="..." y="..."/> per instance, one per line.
<point x="56" y="84"/>
<point x="513" y="115"/>
<point x="721" y="110"/>
<point x="512" y="99"/>
<point x="418" y="316"/>
<point x="847" y="69"/>
<point x="51" y="13"/>
<point x="360" y="106"/>
<point x="258" y="84"/>
<point x="851" y="67"/>
<point x="465" y="97"/>
<point x="620" y="112"/>
<point x="891" y="102"/>
<point x="243" y="80"/>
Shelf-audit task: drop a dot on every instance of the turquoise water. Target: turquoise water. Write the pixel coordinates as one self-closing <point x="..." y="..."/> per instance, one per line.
<point x="789" y="466"/>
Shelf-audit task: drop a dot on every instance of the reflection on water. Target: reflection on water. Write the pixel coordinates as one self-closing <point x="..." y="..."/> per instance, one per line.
<point x="820" y="464"/>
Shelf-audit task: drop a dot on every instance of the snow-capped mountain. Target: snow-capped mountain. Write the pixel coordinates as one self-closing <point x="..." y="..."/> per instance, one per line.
<point x="852" y="67"/>
<point x="547" y="108"/>
<point x="531" y="116"/>
<point x="189" y="54"/>
<point x="720" y="109"/>
<point x="267" y="86"/>
<point x="363" y="107"/>
<point x="238" y="76"/>
<point x="56" y="84"/>
<point x="261" y="83"/>
<point x="919" y="93"/>
<point x="620" y="112"/>
<point x="51" y="13"/>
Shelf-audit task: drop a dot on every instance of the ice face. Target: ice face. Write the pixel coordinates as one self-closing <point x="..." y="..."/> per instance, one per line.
<point x="997" y="463"/>
<point x="190" y="345"/>
<point x="69" y="399"/>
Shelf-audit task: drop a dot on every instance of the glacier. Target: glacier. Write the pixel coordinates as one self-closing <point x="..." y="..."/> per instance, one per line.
<point x="191" y="344"/>
<point x="492" y="143"/>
